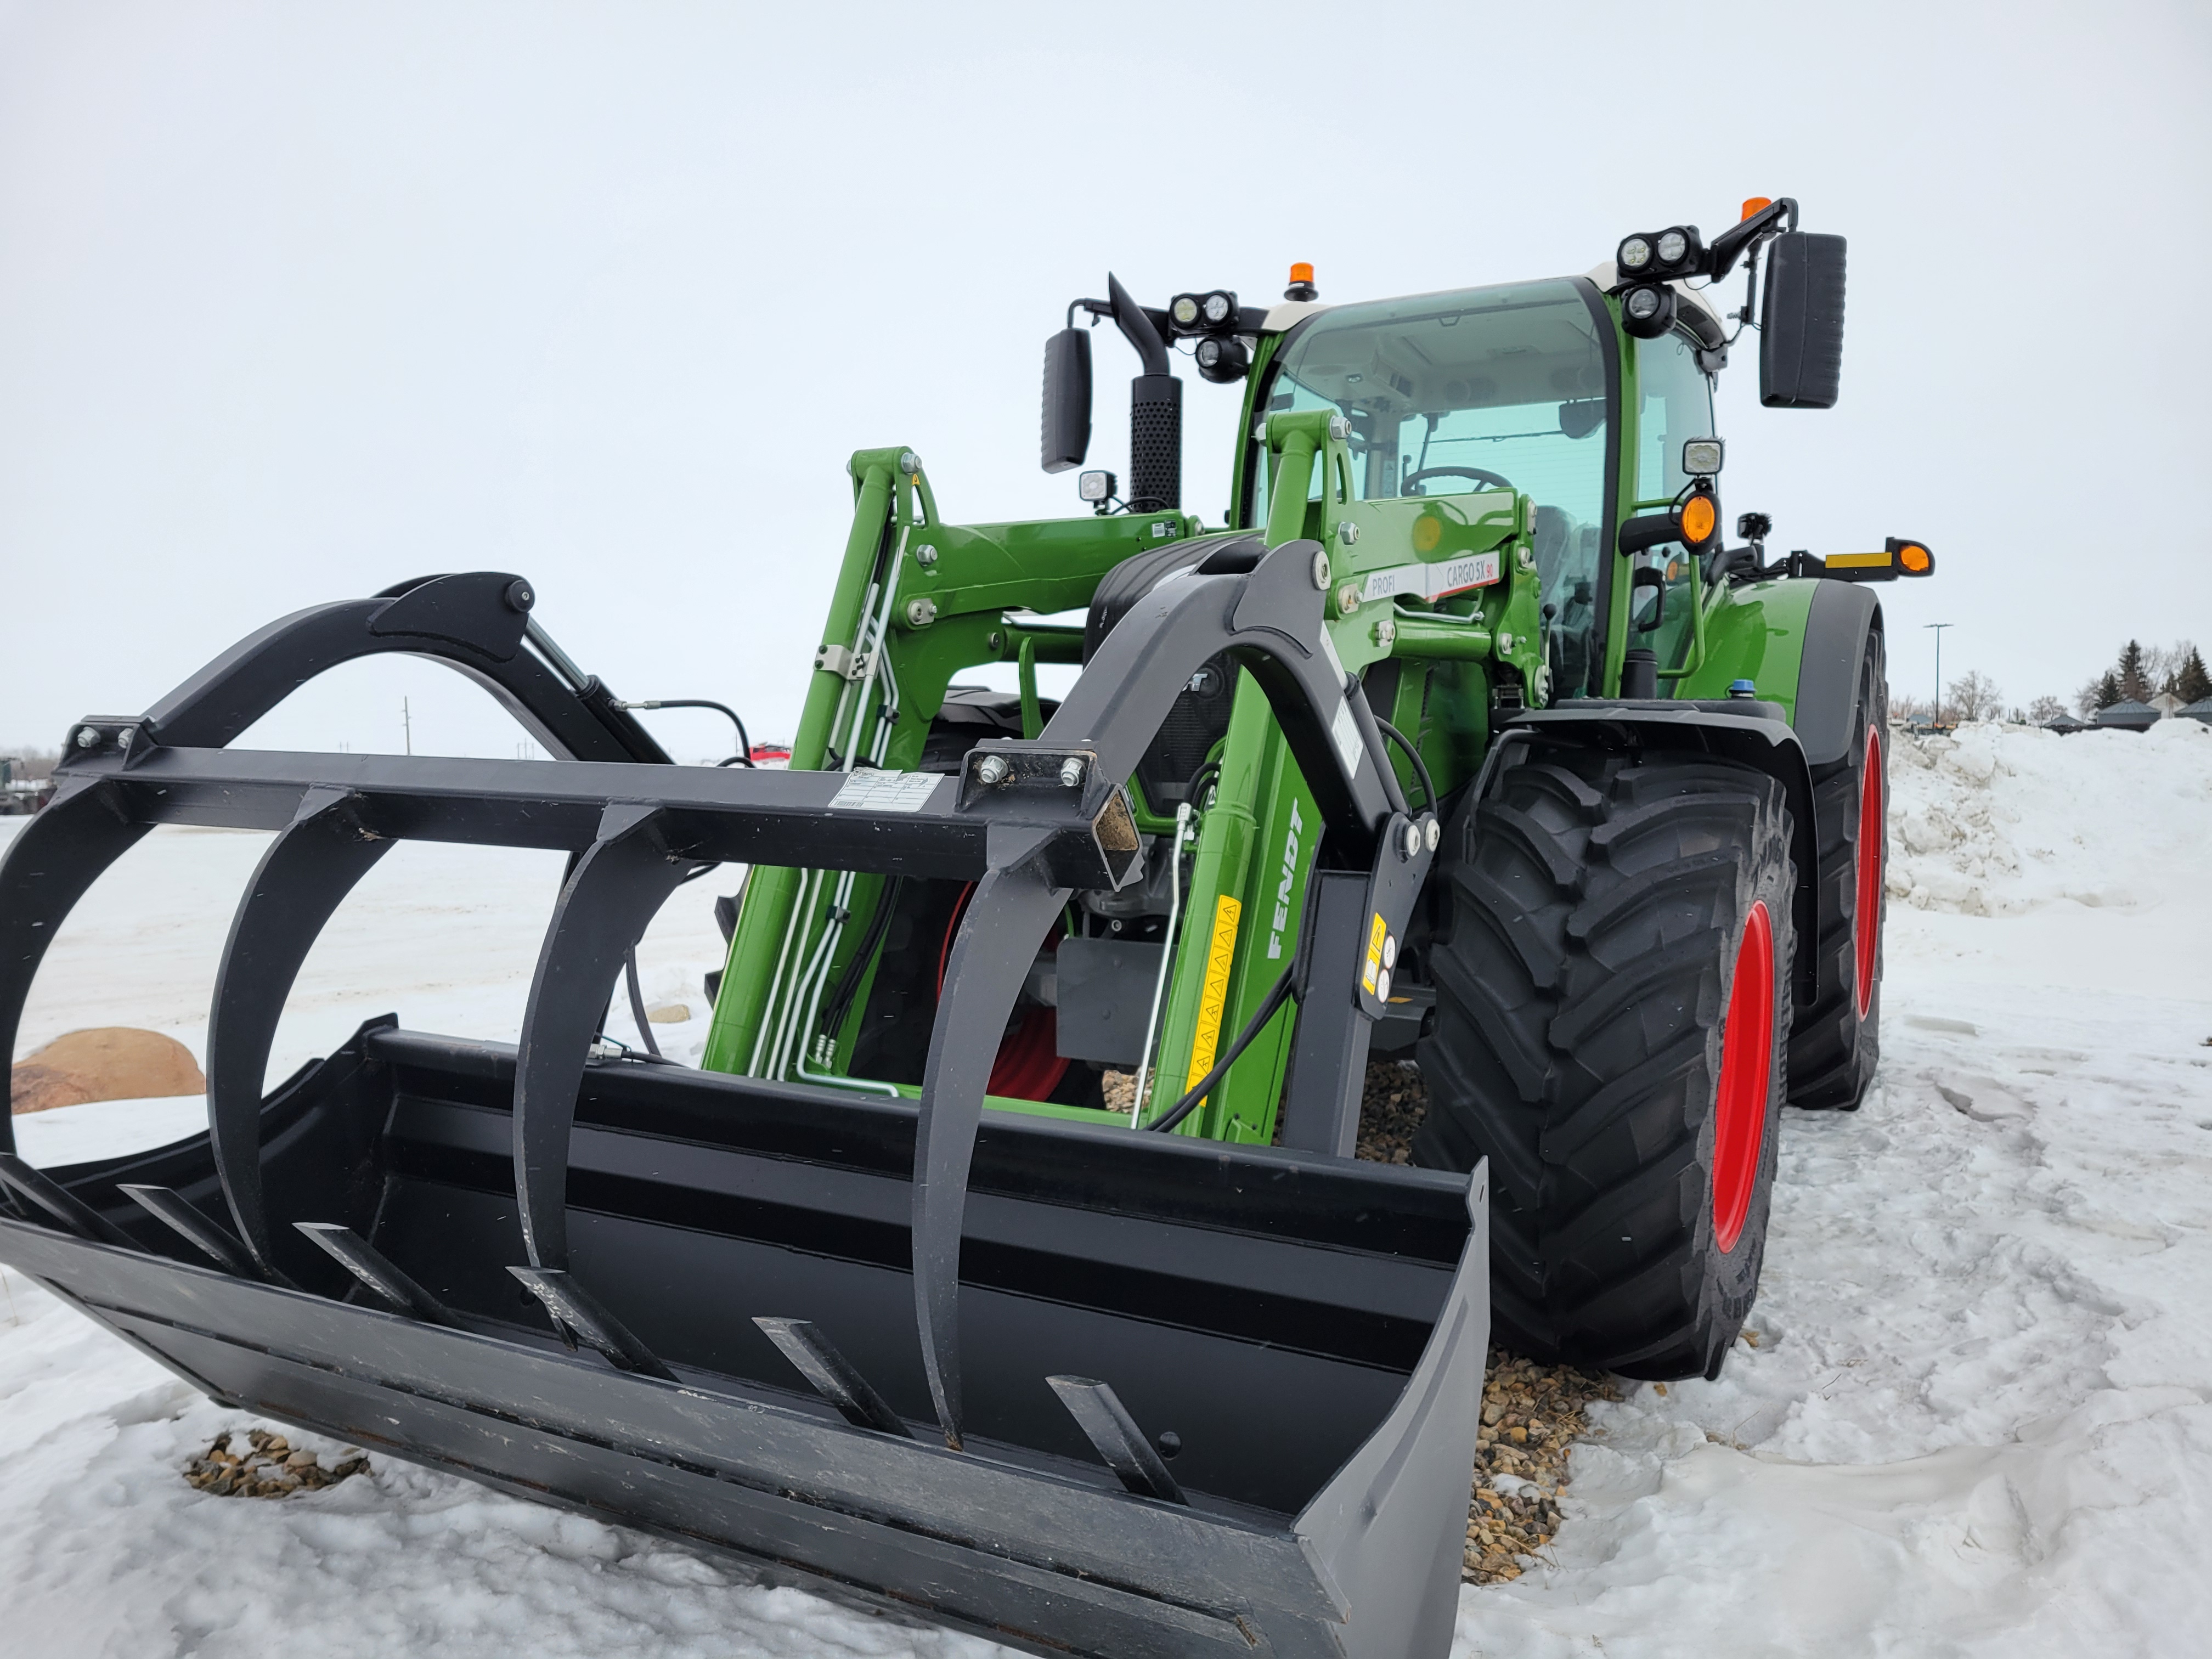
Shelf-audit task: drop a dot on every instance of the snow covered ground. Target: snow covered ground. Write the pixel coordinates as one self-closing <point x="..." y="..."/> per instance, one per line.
<point x="1976" y="1416"/>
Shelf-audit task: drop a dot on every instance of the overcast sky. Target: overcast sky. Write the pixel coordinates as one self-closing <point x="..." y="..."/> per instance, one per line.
<point x="298" y="300"/>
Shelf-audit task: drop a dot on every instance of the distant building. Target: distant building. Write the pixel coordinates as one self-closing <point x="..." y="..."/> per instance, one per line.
<point x="2063" y="724"/>
<point x="2127" y="715"/>
<point x="2199" y="710"/>
<point x="2166" y="703"/>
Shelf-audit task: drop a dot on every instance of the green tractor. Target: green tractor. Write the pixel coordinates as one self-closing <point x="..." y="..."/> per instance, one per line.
<point x="1005" y="1261"/>
<point x="1655" y="762"/>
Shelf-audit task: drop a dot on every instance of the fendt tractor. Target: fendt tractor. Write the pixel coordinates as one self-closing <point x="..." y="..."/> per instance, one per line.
<point x="1466" y="738"/>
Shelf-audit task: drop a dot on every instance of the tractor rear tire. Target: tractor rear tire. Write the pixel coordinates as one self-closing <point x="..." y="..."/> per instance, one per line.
<point x="1837" y="1042"/>
<point x="1612" y="964"/>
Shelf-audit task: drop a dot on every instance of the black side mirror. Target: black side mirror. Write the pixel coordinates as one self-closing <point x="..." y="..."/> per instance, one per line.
<point x="1582" y="417"/>
<point x="1065" y="429"/>
<point x="1800" y="348"/>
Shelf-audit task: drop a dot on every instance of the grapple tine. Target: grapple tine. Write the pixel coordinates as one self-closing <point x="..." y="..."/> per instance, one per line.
<point x="53" y="859"/>
<point x="582" y="1313"/>
<point x="367" y="1264"/>
<point x="991" y="956"/>
<point x="1110" y="1428"/>
<point x="35" y="1188"/>
<point x="302" y="878"/>
<point x="610" y="895"/>
<point x="834" y="1376"/>
<point x="175" y="1213"/>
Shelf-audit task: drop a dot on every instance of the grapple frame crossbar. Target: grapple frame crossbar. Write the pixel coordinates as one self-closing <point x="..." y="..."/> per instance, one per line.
<point x="1311" y="1329"/>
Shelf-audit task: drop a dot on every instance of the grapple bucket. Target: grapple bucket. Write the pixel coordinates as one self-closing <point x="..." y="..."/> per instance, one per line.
<point x="1077" y="1389"/>
<point x="1311" y="1332"/>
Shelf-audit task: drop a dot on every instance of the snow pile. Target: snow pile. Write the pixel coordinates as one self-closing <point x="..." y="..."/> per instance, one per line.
<point x="1973" y="1414"/>
<point x="1997" y="820"/>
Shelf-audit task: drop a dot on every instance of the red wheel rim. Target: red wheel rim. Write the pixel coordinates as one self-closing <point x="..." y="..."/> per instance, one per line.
<point x="1866" y="923"/>
<point x="1028" y="1066"/>
<point x="1747" y="1066"/>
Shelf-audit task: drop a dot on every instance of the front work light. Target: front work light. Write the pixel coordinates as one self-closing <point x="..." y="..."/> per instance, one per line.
<point x="1680" y="252"/>
<point x="1095" y="487"/>
<point x="1635" y="253"/>
<point x="1701" y="456"/>
<point x="1223" y="361"/>
<point x="1202" y="313"/>
<point x="1648" y="310"/>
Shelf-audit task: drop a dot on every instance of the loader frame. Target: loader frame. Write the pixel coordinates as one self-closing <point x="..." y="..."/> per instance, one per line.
<point x="918" y="601"/>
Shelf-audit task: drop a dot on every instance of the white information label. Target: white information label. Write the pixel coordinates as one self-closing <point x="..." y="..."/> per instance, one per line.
<point x="867" y="790"/>
<point x="1335" y="662"/>
<point x="1345" y="731"/>
<point x="1434" y="581"/>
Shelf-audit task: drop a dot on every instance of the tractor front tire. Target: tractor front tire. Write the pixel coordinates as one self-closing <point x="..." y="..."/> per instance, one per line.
<point x="1612" y="964"/>
<point x="1837" y="1042"/>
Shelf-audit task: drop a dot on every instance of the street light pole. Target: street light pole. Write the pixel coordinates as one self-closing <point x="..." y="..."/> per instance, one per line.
<point x="1936" y="719"/>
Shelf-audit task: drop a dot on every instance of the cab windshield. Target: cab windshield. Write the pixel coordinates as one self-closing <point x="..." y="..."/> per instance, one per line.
<point x="1488" y="388"/>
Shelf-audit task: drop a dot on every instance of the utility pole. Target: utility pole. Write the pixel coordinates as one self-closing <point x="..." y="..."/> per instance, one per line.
<point x="1936" y="719"/>
<point x="407" y="720"/>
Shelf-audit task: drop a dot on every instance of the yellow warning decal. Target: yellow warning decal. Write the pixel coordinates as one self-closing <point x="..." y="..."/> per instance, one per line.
<point x="1213" y="995"/>
<point x="1859" y="561"/>
<point x="1375" y="935"/>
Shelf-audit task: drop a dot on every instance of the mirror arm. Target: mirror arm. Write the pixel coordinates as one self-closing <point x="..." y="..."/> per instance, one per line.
<point x="1731" y="244"/>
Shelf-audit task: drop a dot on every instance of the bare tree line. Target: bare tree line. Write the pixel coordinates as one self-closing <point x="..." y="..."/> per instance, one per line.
<point x="2139" y="673"/>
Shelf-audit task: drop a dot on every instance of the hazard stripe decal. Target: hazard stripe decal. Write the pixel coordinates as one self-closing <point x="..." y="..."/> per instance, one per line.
<point x="1213" y="995"/>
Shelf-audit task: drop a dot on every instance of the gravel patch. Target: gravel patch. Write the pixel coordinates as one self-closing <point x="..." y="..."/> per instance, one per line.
<point x="269" y="1466"/>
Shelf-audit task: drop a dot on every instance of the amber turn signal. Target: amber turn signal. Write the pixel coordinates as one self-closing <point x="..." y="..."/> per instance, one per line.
<point x="1912" y="558"/>
<point x="1698" y="521"/>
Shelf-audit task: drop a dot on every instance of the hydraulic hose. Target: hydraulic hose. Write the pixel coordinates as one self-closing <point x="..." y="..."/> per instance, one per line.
<point x="841" y="998"/>
<point x="744" y="755"/>
<point x="629" y="976"/>
<point x="1420" y="766"/>
<point x="1206" y="1084"/>
<point x="1167" y="963"/>
<point x="637" y="1003"/>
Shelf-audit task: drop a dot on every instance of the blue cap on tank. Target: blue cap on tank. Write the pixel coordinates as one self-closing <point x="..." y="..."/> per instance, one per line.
<point x="1743" y="689"/>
